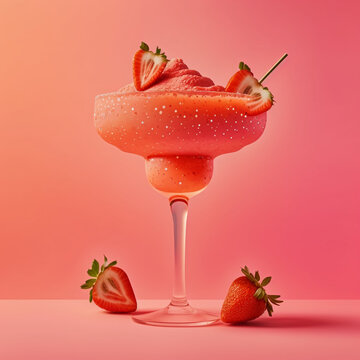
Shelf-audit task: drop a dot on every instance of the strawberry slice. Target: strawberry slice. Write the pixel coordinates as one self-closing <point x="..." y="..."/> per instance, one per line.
<point x="243" y="81"/>
<point x="147" y="66"/>
<point x="110" y="288"/>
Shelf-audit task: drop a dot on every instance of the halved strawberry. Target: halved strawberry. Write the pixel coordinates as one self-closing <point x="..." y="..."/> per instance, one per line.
<point x="147" y="66"/>
<point x="110" y="289"/>
<point x="244" y="82"/>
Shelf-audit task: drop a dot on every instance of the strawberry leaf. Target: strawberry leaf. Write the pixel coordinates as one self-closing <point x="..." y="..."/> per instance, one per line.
<point x="144" y="46"/>
<point x="274" y="296"/>
<point x="257" y="276"/>
<point x="243" y="66"/>
<point x="266" y="281"/>
<point x="95" y="266"/>
<point x="103" y="266"/>
<point x="257" y="293"/>
<point x="88" y="284"/>
<point x="91" y="295"/>
<point x="111" y="264"/>
<point x="269" y="309"/>
<point x="93" y="273"/>
<point x="262" y="294"/>
<point x="276" y="302"/>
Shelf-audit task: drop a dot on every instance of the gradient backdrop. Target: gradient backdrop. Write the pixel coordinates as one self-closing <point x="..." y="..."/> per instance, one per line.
<point x="287" y="205"/>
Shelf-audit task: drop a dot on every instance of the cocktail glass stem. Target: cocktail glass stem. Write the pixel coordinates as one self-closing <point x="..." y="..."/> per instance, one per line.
<point x="179" y="211"/>
<point x="178" y="312"/>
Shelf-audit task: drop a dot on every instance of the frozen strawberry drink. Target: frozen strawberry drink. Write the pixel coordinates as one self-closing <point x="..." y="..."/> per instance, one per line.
<point x="179" y="126"/>
<point x="179" y="121"/>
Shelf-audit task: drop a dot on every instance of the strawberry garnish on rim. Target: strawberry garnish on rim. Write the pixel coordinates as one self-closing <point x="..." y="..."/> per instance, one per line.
<point x="110" y="287"/>
<point x="244" y="82"/>
<point x="147" y="66"/>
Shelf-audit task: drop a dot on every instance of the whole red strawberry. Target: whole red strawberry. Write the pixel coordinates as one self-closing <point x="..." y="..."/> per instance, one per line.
<point x="110" y="288"/>
<point x="246" y="299"/>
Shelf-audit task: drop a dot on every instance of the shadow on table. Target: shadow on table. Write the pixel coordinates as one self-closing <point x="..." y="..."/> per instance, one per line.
<point x="305" y="321"/>
<point x="330" y="322"/>
<point x="137" y="312"/>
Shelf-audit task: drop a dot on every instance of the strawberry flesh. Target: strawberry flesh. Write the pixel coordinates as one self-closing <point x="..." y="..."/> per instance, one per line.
<point x="147" y="67"/>
<point x="113" y="291"/>
<point x="260" y="98"/>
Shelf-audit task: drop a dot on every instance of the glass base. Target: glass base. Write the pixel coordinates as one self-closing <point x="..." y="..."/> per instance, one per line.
<point x="177" y="316"/>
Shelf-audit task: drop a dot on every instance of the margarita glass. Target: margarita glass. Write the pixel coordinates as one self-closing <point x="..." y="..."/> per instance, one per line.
<point x="179" y="133"/>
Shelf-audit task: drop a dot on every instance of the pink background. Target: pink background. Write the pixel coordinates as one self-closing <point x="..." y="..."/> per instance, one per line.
<point x="287" y="205"/>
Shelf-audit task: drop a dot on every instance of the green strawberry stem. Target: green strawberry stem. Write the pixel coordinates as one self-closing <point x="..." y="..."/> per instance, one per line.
<point x="243" y="66"/>
<point x="260" y="292"/>
<point x="144" y="46"/>
<point x="273" y="68"/>
<point x="94" y="273"/>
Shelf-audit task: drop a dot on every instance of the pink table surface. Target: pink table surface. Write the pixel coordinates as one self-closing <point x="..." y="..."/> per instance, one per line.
<point x="75" y="329"/>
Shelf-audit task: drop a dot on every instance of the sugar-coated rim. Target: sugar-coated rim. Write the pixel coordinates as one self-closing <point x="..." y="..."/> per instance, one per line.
<point x="180" y="92"/>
